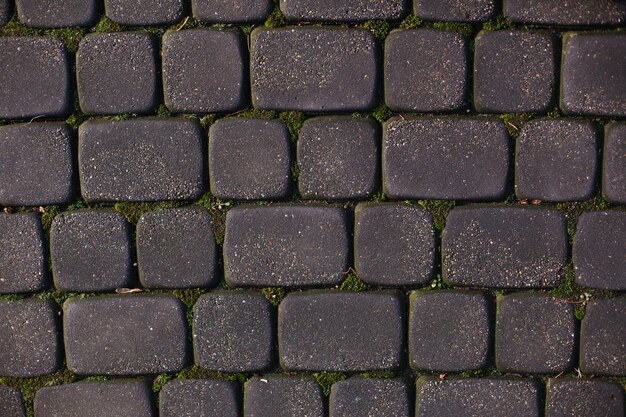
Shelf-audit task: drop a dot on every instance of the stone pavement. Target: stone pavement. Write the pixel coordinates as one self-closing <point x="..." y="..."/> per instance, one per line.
<point x="266" y="208"/>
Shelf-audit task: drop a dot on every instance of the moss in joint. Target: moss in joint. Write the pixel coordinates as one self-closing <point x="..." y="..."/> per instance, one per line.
<point x="188" y="297"/>
<point x="463" y="28"/>
<point x="218" y="209"/>
<point x="107" y="25"/>
<point x="327" y="379"/>
<point x="294" y="121"/>
<point x="411" y="22"/>
<point x="160" y="381"/>
<point x="163" y="111"/>
<point x="381" y="113"/>
<point x="514" y="122"/>
<point x="573" y="210"/>
<point x="354" y="283"/>
<point x="380" y="28"/>
<point x="379" y="374"/>
<point x="195" y="372"/>
<point x="47" y="216"/>
<point x="276" y="19"/>
<point x="439" y="209"/>
<point x="498" y="23"/>
<point x="274" y="295"/>
<point x="257" y="114"/>
<point x="134" y="211"/>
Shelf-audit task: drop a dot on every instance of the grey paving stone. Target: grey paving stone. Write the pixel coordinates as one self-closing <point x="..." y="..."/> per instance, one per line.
<point x="176" y="249"/>
<point x="123" y="397"/>
<point x="283" y="396"/>
<point x="233" y="332"/>
<point x="249" y="159"/>
<point x="142" y="160"/>
<point x="589" y="398"/>
<point x="572" y="13"/>
<point x="535" y="333"/>
<point x="593" y="80"/>
<point x="556" y="160"/>
<point x="449" y="331"/>
<point x="57" y="13"/>
<point x="35" y="77"/>
<point x="515" y="71"/>
<point x="145" y="12"/>
<point x="370" y="397"/>
<point x="598" y="250"/>
<point x="200" y="398"/>
<point x="394" y="244"/>
<point x="29" y="338"/>
<point x="231" y="11"/>
<point x="22" y="260"/>
<point x="504" y="247"/>
<point x="338" y="158"/>
<point x="11" y="402"/>
<point x="333" y="331"/>
<point x="451" y="158"/>
<point x="343" y="10"/>
<point x="426" y="70"/>
<point x="614" y="163"/>
<point x="125" y="335"/>
<point x="473" y="397"/>
<point x="603" y="338"/>
<point x="5" y="12"/>
<point x="456" y="10"/>
<point x="117" y="73"/>
<point x="91" y="251"/>
<point x="314" y="69"/>
<point x="287" y="246"/>
<point x="204" y="70"/>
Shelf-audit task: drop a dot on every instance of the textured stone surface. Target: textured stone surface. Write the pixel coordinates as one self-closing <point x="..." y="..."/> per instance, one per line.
<point x="5" y="12"/>
<point x="456" y="10"/>
<point x="571" y="13"/>
<point x="343" y="10"/>
<point x="445" y="158"/>
<point x="314" y="69"/>
<point x="589" y="398"/>
<point x="370" y="397"/>
<point x="11" y="402"/>
<point x="229" y="11"/>
<point x="145" y="12"/>
<point x="504" y="247"/>
<point x="199" y="398"/>
<point x="614" y="163"/>
<point x="283" y="396"/>
<point x="57" y="13"/>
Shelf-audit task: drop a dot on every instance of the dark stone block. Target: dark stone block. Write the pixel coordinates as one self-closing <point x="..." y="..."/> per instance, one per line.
<point x="394" y="244"/>
<point x="199" y="398"/>
<point x="204" y="70"/>
<point x="515" y="71"/>
<point x="589" y="398"/>
<point x="451" y="158"/>
<point x="571" y="13"/>
<point x="370" y="397"/>
<point x="5" y="12"/>
<point x="125" y="335"/>
<point x="456" y="10"/>
<point x="145" y="12"/>
<point x="287" y="246"/>
<point x="142" y="160"/>
<point x="333" y="331"/>
<point x="283" y="396"/>
<point x="11" y="402"/>
<point x="29" y="338"/>
<point x="338" y="158"/>
<point x="316" y="69"/>
<point x="343" y="10"/>
<point x="57" y="13"/>
<point x="504" y="247"/>
<point x="614" y="164"/>
<point x="231" y="11"/>
<point x="249" y="159"/>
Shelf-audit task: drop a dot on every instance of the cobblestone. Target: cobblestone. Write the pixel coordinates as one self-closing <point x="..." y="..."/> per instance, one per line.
<point x="229" y="11"/>
<point x="576" y="13"/>
<point x="57" y="13"/>
<point x="343" y="10"/>
<point x="11" y="402"/>
<point x="370" y="396"/>
<point x="199" y="398"/>
<point x="591" y="398"/>
<point x="145" y="12"/>
<point x="456" y="10"/>
<point x="614" y="163"/>
<point x="283" y="396"/>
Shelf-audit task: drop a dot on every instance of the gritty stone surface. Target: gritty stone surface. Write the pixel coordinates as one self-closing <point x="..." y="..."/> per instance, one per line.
<point x="283" y="396"/>
<point x="117" y="73"/>
<point x="5" y="12"/>
<point x="614" y="163"/>
<point x="249" y="159"/>
<point x="142" y="160"/>
<point x="556" y="160"/>
<point x="145" y="12"/>
<point x="176" y="249"/>
<point x="199" y="398"/>
<point x="593" y="80"/>
<point x="394" y="244"/>
<point x="343" y="10"/>
<point x="204" y="70"/>
<point x="57" y="13"/>
<point x="231" y="11"/>
<point x="11" y="402"/>
<point x="332" y="331"/>
<point x="125" y="335"/>
<point x="426" y="70"/>
<point x="233" y="332"/>
<point x="571" y="13"/>
<point x="314" y="69"/>
<point x="35" y="77"/>
<point x="338" y="158"/>
<point x="451" y="158"/>
<point x="456" y="10"/>
<point x="599" y="248"/>
<point x="504" y="247"/>
<point x="515" y="71"/>
<point x="449" y="331"/>
<point x="370" y="397"/>
<point x="590" y="398"/>
<point x="29" y="338"/>
<point x="286" y="245"/>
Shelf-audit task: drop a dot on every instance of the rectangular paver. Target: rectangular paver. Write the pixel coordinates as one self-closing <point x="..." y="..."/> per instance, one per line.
<point x="370" y="397"/>
<point x="145" y="12"/>
<point x="568" y="397"/>
<point x="231" y="11"/>
<point x="456" y="10"/>
<point x="283" y="396"/>
<point x="614" y="163"/>
<point x="57" y="13"/>
<point x="200" y="398"/>
<point x="570" y="13"/>
<point x="343" y="10"/>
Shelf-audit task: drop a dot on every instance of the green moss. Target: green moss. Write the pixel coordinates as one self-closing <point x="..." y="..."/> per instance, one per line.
<point x="70" y="36"/>
<point x="195" y="372"/>
<point x="498" y="23"/>
<point x="60" y="297"/>
<point x="189" y="296"/>
<point x="475" y="373"/>
<point x="76" y="119"/>
<point x="276" y="19"/>
<point x="463" y="28"/>
<point x="274" y="295"/>
<point x="555" y="113"/>
<point x="257" y="114"/>
<point x="122" y="117"/>
<point x="437" y="283"/>
<point x="107" y="25"/>
<point x="77" y="205"/>
<point x="208" y="120"/>
<point x="514" y="122"/>
<point x="218" y="209"/>
<point x="573" y="210"/>
<point x="380" y="28"/>
<point x="379" y="374"/>
<point x="294" y="121"/>
<point x="439" y="209"/>
<point x="163" y="111"/>
<point x="48" y="214"/>
<point x="16" y="28"/>
<point x="133" y="211"/>
<point x="379" y="197"/>
<point x="12" y="297"/>
<point x="97" y="378"/>
<point x="327" y="379"/>
<point x="411" y="22"/>
<point x="381" y="113"/>
<point x="354" y="283"/>
<point x="247" y="29"/>
<point x="160" y="381"/>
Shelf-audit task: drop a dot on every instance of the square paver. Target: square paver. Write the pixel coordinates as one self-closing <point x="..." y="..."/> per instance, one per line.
<point x="200" y="398"/>
<point x="231" y="11"/>
<point x="57" y="13"/>
<point x="614" y="163"/>
<point x="145" y="12"/>
<point x="370" y="397"/>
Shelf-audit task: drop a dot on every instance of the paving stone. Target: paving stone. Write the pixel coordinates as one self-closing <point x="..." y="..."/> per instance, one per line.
<point x="515" y="71"/>
<point x="338" y="158"/>
<point x="125" y="335"/>
<point x="603" y="338"/>
<point x="332" y="331"/>
<point x="249" y="159"/>
<point x="117" y="73"/>
<point x="593" y="80"/>
<point x="343" y="10"/>
<point x="504" y="247"/>
<point x="11" y="402"/>
<point x="287" y="246"/>
<point x="456" y="10"/>
<point x="451" y="158"/>
<point x="205" y="70"/>
<point x="91" y="251"/>
<point x="394" y="244"/>
<point x="314" y="69"/>
<point x="449" y="331"/>
<point x="35" y="77"/>
<point x="556" y="160"/>
<point x="283" y="396"/>
<point x="426" y="70"/>
<point x="233" y="332"/>
<point x="571" y="13"/>
<point x="176" y="249"/>
<point x="598" y="250"/>
<point x="142" y="160"/>
<point x="57" y="13"/>
<point x="231" y="11"/>
<point x="29" y="338"/>
<point x="589" y="398"/>
<point x="123" y="397"/>
<point x="22" y="259"/>
<point x="5" y="12"/>
<point x="199" y="398"/>
<point x="145" y="12"/>
<point x="472" y="397"/>
<point x="614" y="163"/>
<point x="535" y="333"/>
<point x="370" y="397"/>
